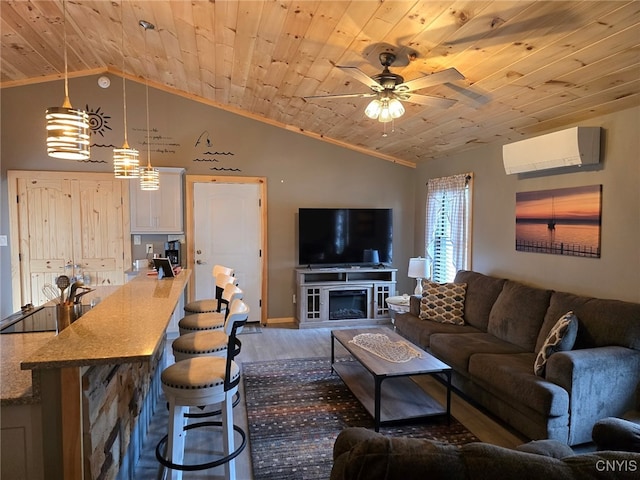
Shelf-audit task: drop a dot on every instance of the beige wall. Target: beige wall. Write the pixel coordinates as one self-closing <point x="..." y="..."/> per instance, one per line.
<point x="616" y="274"/>
<point x="300" y="171"/>
<point x="303" y="172"/>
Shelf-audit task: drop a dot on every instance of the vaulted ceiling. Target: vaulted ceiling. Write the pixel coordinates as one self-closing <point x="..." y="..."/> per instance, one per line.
<point x="529" y="66"/>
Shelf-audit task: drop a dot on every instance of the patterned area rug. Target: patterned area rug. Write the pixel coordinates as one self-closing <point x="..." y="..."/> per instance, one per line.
<point x="295" y="410"/>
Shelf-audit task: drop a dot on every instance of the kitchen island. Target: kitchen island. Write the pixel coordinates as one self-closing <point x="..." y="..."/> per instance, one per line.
<point x="99" y="380"/>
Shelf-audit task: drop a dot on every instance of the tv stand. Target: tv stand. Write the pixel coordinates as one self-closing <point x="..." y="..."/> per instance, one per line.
<point x="344" y="296"/>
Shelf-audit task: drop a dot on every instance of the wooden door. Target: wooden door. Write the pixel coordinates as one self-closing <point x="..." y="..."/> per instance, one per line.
<point x="227" y="227"/>
<point x="61" y="219"/>
<point x="45" y="231"/>
<point x="98" y="240"/>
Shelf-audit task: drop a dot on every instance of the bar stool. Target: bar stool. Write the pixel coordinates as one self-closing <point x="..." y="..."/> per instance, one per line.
<point x="197" y="382"/>
<point x="209" y="305"/>
<point x="197" y="322"/>
<point x="211" y="342"/>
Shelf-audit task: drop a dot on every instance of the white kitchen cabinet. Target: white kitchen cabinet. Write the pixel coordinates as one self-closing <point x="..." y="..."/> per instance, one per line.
<point x="158" y="211"/>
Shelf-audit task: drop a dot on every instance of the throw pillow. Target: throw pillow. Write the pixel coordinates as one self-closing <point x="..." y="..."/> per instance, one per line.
<point x="560" y="338"/>
<point x="443" y="302"/>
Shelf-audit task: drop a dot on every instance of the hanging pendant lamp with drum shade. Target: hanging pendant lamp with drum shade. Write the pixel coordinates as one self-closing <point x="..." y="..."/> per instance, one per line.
<point x="149" y="176"/>
<point x="67" y="128"/>
<point x="125" y="159"/>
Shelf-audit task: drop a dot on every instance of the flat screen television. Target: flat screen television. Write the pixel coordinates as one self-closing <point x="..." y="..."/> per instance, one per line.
<point x="345" y="236"/>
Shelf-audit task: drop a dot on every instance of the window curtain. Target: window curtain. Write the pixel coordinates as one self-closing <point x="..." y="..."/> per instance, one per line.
<point x="447" y="200"/>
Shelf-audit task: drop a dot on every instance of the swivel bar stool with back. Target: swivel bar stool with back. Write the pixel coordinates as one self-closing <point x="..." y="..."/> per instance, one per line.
<point x="198" y="382"/>
<point x="196" y="322"/>
<point x="222" y="275"/>
<point x="211" y="342"/>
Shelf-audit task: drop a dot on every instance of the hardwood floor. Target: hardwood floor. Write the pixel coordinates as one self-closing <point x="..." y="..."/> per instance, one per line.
<point x="281" y="341"/>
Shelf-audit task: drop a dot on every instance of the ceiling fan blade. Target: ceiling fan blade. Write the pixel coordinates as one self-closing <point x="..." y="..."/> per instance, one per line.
<point x="359" y="75"/>
<point x="342" y="95"/>
<point x="448" y="75"/>
<point x="427" y="100"/>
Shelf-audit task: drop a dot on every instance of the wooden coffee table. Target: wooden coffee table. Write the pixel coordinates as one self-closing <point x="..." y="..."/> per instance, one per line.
<point x="402" y="398"/>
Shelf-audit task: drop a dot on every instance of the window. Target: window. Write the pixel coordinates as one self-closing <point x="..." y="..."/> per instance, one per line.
<point x="448" y="225"/>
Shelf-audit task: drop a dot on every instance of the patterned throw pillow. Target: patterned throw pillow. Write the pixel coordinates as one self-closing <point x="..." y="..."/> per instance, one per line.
<point x="560" y="339"/>
<point x="443" y="302"/>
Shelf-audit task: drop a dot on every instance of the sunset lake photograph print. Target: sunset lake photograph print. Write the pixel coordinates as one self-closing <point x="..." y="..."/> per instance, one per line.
<point x="564" y="221"/>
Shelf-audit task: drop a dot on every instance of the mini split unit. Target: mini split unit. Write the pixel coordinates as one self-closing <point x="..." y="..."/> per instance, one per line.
<point x="574" y="146"/>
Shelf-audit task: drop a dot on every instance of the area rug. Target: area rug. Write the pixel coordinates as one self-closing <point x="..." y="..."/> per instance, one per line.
<point x="295" y="410"/>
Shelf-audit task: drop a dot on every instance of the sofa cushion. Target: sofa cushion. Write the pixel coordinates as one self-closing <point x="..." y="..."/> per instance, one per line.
<point x="605" y="322"/>
<point x="561" y="338"/>
<point x="482" y="292"/>
<point x="547" y="447"/>
<point x="559" y="304"/>
<point x="601" y="322"/>
<point x="511" y="378"/>
<point x="443" y="302"/>
<point x="518" y="313"/>
<point x="456" y="349"/>
<point x="419" y="332"/>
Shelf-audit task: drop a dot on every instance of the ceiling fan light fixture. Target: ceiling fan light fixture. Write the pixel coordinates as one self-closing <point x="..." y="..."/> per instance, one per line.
<point x="385" y="114"/>
<point x="373" y="109"/>
<point x="396" y="109"/>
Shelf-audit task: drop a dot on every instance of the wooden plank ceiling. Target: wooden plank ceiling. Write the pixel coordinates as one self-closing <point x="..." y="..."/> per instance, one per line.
<point x="529" y="66"/>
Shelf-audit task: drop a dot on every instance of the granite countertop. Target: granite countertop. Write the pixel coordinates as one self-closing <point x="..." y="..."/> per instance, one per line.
<point x="16" y="385"/>
<point x="127" y="326"/>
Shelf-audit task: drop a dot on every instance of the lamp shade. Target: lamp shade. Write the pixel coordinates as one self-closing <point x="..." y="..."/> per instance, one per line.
<point x="149" y="178"/>
<point x="373" y="109"/>
<point x="67" y="133"/>
<point x="417" y="268"/>
<point x="396" y="110"/>
<point x="125" y="162"/>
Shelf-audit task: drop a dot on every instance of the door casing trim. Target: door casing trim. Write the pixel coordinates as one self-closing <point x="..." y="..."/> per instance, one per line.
<point x="191" y="180"/>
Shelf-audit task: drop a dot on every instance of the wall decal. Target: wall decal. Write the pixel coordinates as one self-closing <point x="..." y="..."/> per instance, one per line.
<point x="564" y="221"/>
<point x="92" y="161"/>
<point x="159" y="143"/>
<point x="104" y="145"/>
<point x="206" y="160"/>
<point x="204" y="141"/>
<point x="98" y="120"/>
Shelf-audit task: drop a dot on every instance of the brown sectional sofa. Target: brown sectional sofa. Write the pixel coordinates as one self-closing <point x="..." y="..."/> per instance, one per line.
<point x="493" y="353"/>
<point x="360" y="454"/>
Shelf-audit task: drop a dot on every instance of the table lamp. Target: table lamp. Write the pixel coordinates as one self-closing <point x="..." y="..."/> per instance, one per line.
<point x="418" y="270"/>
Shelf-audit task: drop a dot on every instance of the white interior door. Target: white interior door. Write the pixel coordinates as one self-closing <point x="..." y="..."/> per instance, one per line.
<point x="227" y="231"/>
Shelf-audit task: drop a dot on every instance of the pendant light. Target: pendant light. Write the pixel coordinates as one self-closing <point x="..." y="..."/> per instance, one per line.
<point x="149" y="176"/>
<point x="125" y="159"/>
<point x="67" y="128"/>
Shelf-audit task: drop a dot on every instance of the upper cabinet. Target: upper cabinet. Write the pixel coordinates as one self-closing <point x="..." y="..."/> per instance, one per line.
<point x="158" y="211"/>
<point x="72" y="223"/>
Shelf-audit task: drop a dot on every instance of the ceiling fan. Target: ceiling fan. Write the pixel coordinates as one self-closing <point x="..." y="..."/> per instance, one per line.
<point x="390" y="89"/>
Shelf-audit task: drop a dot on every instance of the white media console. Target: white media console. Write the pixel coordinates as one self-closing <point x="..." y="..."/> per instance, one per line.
<point x="343" y="296"/>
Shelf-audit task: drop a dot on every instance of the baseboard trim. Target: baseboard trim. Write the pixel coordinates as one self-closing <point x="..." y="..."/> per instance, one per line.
<point x="272" y="321"/>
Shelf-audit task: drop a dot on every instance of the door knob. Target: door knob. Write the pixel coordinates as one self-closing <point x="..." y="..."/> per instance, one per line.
<point x="200" y="262"/>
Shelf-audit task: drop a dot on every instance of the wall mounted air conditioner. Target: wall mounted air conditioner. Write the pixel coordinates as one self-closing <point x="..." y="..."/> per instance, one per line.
<point x="574" y="146"/>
